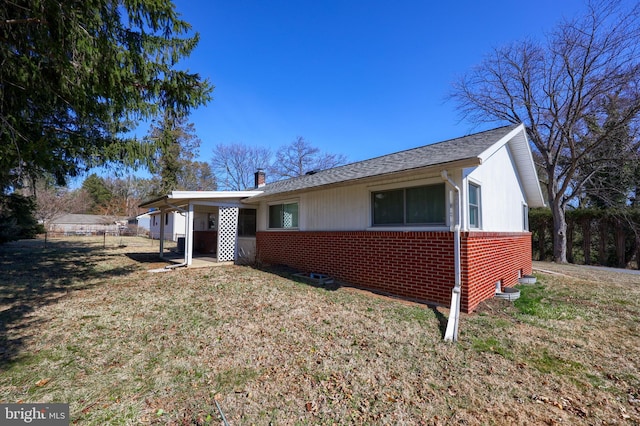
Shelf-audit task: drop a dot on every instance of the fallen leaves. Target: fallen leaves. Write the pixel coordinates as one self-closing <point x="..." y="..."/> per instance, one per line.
<point x="42" y="382"/>
<point x="563" y="403"/>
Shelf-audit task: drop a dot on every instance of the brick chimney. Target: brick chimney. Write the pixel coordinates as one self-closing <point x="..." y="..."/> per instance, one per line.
<point x="260" y="178"/>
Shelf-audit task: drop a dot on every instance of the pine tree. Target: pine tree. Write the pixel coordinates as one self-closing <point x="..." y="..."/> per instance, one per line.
<point x="76" y="76"/>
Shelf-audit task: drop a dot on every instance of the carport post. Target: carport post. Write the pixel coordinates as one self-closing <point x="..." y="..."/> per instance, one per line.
<point x="162" y="234"/>
<point x="188" y="238"/>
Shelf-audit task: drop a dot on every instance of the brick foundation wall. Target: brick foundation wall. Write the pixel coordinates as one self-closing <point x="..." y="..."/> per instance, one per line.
<point x="414" y="265"/>
<point x="488" y="257"/>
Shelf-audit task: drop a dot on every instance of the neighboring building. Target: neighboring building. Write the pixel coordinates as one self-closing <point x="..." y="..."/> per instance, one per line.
<point x="172" y="228"/>
<point x="386" y="224"/>
<point x="143" y="222"/>
<point x="87" y="224"/>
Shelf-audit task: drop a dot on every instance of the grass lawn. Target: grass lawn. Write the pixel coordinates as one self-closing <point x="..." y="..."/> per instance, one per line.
<point x="83" y="322"/>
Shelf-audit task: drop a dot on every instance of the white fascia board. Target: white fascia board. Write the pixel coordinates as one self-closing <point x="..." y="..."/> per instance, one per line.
<point x="182" y="198"/>
<point x="222" y="203"/>
<point x="518" y="143"/>
<point x="487" y="153"/>
<point x="199" y="195"/>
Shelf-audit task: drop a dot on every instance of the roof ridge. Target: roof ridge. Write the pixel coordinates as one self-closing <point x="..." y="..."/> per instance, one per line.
<point x="393" y="153"/>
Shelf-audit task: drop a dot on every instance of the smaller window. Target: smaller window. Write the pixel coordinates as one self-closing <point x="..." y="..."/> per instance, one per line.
<point x="525" y="217"/>
<point x="474" y="205"/>
<point x="283" y="216"/>
<point x="166" y="218"/>
<point x="247" y="223"/>
<point x="212" y="222"/>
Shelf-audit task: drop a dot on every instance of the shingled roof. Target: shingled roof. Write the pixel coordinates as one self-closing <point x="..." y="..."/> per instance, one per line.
<point x="453" y="150"/>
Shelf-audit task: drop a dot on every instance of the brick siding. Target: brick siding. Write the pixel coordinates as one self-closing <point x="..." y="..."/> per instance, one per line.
<point x="413" y="265"/>
<point x="488" y="257"/>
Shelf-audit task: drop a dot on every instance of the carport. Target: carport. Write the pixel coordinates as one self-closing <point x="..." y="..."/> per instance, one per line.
<point x="211" y="225"/>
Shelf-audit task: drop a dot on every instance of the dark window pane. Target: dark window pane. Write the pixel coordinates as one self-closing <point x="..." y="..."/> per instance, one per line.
<point x="275" y="216"/>
<point x="283" y="215"/>
<point x="426" y="205"/>
<point x="247" y="223"/>
<point x="474" y="206"/>
<point x="388" y="207"/>
<point x="290" y="215"/>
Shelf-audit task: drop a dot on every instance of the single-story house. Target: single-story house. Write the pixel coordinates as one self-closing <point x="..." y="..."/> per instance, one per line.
<point x="87" y="224"/>
<point x="408" y="224"/>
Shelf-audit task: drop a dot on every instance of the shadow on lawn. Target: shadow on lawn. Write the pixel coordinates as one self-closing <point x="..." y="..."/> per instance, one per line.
<point x="32" y="276"/>
<point x="147" y="257"/>
<point x="289" y="273"/>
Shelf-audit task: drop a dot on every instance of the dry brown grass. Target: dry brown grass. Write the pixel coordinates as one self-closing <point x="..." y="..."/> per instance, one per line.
<point x="90" y="326"/>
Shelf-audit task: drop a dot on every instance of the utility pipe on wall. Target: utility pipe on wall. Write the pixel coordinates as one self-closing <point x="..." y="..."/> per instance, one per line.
<point x="451" y="334"/>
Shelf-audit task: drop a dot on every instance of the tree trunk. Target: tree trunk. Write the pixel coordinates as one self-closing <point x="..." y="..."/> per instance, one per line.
<point x="620" y="244"/>
<point x="586" y="243"/>
<point x="570" y="241"/>
<point x="602" y="244"/>
<point x="637" y="250"/>
<point x="558" y="215"/>
<point x="559" y="232"/>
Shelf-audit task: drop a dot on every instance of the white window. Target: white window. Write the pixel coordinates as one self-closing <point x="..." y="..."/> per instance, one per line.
<point x="283" y="216"/>
<point x="525" y="217"/>
<point x="474" y="205"/>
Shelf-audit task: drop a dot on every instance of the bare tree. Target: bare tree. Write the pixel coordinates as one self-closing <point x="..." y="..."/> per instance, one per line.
<point x="53" y="202"/>
<point x="127" y="193"/>
<point x="196" y="176"/>
<point x="560" y="89"/>
<point x="300" y="157"/>
<point x="235" y="164"/>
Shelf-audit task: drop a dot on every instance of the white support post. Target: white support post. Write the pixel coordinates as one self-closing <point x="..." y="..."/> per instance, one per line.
<point x="162" y="219"/>
<point x="188" y="238"/>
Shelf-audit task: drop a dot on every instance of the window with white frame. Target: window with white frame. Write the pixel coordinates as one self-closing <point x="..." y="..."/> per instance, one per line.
<point x="413" y="206"/>
<point x="474" y="205"/>
<point x="525" y="217"/>
<point x="283" y="216"/>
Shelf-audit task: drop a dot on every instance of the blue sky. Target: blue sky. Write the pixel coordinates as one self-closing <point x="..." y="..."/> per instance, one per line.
<point x="359" y="78"/>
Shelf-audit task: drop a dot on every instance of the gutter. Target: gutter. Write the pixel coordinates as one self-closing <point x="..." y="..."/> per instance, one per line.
<point x="451" y="333"/>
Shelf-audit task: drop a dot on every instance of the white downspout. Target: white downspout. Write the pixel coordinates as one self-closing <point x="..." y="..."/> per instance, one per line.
<point x="451" y="334"/>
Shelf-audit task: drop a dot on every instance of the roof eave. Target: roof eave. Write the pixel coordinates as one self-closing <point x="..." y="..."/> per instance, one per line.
<point x="180" y="197"/>
<point x="457" y="164"/>
<point x="152" y="203"/>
